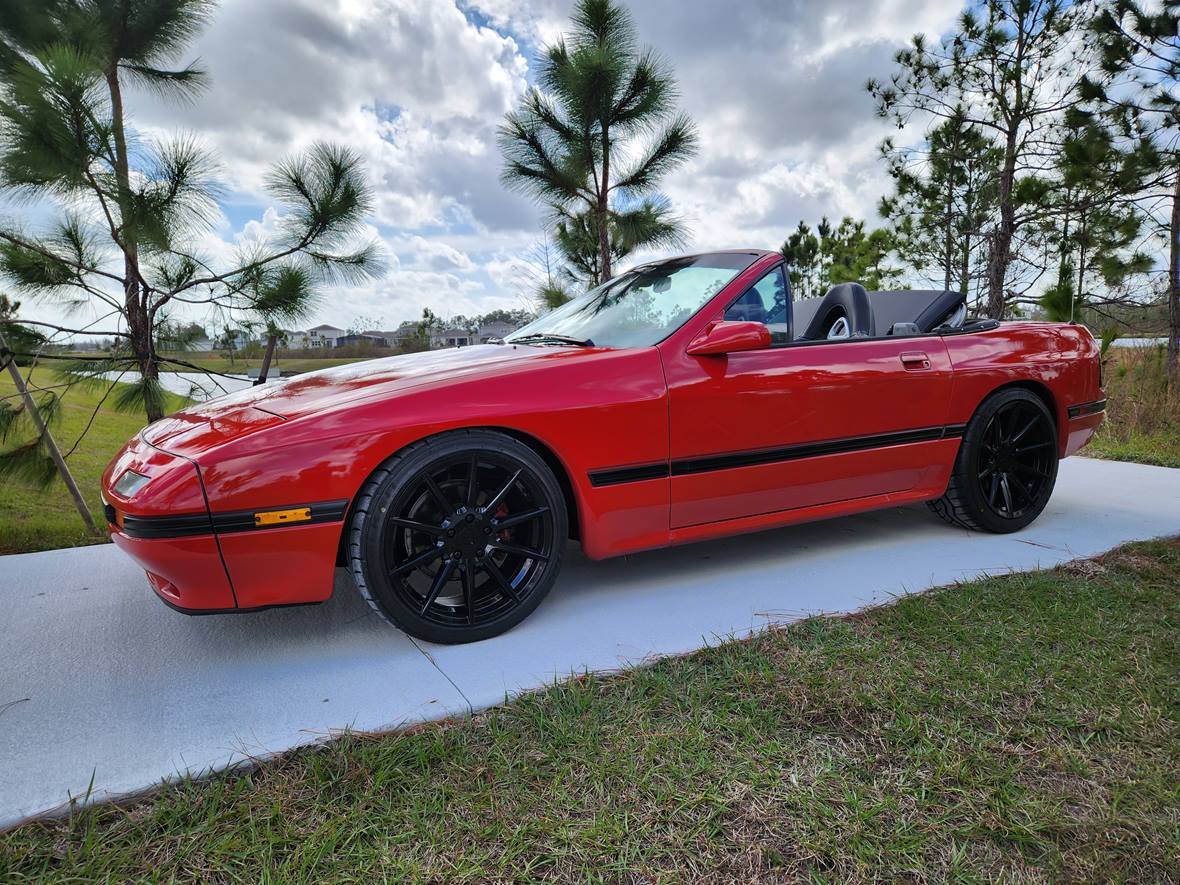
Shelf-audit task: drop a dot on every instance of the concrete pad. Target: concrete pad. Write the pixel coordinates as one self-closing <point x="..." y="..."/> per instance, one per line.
<point x="100" y="680"/>
<point x="122" y="688"/>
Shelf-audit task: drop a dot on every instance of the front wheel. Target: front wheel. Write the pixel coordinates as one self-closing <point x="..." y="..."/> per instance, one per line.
<point x="1006" y="467"/>
<point x="459" y="537"/>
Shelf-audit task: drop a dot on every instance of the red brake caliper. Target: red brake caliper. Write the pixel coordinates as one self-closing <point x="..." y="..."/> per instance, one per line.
<point x="506" y="534"/>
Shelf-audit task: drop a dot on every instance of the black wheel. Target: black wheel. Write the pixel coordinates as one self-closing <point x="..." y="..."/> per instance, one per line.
<point x="459" y="537"/>
<point x="1006" y="466"/>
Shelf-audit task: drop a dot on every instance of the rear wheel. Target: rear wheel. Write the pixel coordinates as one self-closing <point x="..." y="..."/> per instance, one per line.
<point x="459" y="537"/>
<point x="1006" y="467"/>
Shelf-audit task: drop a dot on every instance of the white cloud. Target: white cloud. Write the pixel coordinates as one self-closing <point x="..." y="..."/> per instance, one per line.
<point x="418" y="87"/>
<point x="437" y="255"/>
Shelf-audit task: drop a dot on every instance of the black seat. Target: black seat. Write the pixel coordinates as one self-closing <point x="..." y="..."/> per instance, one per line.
<point x="847" y="301"/>
<point x="748" y="307"/>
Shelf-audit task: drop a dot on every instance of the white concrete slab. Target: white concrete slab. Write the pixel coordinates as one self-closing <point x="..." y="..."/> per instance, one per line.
<point x="127" y="691"/>
<point x="99" y="680"/>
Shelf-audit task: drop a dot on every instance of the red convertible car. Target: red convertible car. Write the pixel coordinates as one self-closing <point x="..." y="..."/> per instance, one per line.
<point x="686" y="399"/>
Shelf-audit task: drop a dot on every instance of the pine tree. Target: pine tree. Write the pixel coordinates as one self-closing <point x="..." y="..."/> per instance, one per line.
<point x="1011" y="68"/>
<point x="651" y="225"/>
<point x="801" y="251"/>
<point x="1136" y="89"/>
<point x="842" y="254"/>
<point x="944" y="196"/>
<point x="853" y="255"/>
<point x="136" y="208"/>
<point x="1096" y="226"/>
<point x="592" y="143"/>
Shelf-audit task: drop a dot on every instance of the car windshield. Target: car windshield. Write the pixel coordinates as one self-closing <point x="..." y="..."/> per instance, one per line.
<point x="639" y="308"/>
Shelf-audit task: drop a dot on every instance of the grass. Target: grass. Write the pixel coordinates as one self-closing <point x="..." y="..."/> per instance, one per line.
<point x="44" y="519"/>
<point x="1022" y="728"/>
<point x="1143" y="409"/>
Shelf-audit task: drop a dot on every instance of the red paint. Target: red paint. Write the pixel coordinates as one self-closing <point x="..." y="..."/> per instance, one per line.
<point x="730" y="336"/>
<point x="187" y="572"/>
<point x="319" y="436"/>
<point x="282" y="566"/>
<point x="787" y="396"/>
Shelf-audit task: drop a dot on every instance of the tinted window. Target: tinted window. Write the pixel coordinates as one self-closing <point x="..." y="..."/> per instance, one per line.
<point x="765" y="302"/>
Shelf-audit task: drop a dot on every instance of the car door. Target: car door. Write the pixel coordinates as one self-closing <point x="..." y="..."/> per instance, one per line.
<point x="800" y="424"/>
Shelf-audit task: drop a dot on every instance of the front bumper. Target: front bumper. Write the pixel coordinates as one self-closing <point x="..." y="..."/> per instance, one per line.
<point x="202" y="562"/>
<point x="187" y="573"/>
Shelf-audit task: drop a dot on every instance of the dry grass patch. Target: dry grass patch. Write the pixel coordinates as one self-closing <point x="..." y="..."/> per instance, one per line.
<point x="1142" y="409"/>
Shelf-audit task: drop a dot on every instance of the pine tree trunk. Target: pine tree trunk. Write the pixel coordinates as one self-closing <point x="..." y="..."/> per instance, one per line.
<point x="965" y="267"/>
<point x="948" y="235"/>
<point x="1173" y="357"/>
<point x="139" y="323"/>
<point x="999" y="253"/>
<point x="603" y="210"/>
<point x="1076" y="297"/>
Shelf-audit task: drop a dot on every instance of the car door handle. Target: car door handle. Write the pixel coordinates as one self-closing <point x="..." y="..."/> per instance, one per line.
<point x="915" y="359"/>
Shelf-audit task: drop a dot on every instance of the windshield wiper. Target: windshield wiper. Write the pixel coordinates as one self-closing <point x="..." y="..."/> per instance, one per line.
<point x="540" y="337"/>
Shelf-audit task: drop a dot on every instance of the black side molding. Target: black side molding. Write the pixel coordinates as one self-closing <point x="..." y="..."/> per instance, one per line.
<point x="183" y="525"/>
<point x="730" y="460"/>
<point x="615" y="475"/>
<point x="1082" y="409"/>
<point x="710" y="463"/>
<point x="178" y="526"/>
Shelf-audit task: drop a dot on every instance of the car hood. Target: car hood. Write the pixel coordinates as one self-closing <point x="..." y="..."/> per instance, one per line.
<point x="203" y="426"/>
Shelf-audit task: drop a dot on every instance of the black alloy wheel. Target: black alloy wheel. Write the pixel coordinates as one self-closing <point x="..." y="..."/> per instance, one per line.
<point x="1006" y="467"/>
<point x="1019" y="443"/>
<point x="459" y="538"/>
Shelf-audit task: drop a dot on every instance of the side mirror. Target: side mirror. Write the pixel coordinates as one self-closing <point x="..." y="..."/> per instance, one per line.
<point x="730" y="336"/>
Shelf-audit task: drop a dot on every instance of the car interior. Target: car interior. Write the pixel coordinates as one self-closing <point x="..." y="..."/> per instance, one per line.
<point x="849" y="311"/>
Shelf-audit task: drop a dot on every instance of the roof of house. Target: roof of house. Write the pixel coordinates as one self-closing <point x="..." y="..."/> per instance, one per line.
<point x="455" y="332"/>
<point x="324" y="328"/>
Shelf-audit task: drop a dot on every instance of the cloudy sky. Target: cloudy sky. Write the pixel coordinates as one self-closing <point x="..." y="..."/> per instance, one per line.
<point x="419" y="86"/>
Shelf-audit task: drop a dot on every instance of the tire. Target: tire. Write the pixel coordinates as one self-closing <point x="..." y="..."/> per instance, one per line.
<point x="1006" y="468"/>
<point x="450" y="554"/>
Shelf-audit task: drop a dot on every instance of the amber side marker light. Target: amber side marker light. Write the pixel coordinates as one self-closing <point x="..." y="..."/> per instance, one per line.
<point x="277" y="517"/>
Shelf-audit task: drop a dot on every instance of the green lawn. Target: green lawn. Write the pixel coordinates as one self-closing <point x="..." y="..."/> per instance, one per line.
<point x="1159" y="447"/>
<point x="43" y="519"/>
<point x="1024" y="728"/>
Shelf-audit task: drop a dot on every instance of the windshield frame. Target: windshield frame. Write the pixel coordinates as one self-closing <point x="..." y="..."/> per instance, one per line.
<point x="737" y="261"/>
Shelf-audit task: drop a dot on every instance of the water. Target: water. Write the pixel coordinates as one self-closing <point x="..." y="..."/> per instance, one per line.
<point x="196" y="386"/>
